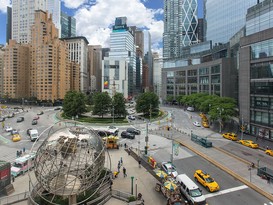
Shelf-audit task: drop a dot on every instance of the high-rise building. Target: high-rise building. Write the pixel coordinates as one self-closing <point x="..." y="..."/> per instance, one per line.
<point x="148" y="60"/>
<point x="8" y="25"/>
<point x="255" y="72"/>
<point x="16" y="73"/>
<point x="78" y="49"/>
<point x="157" y="74"/>
<point x="23" y="13"/>
<point x="94" y="67"/>
<point x="224" y="18"/>
<point x="180" y="23"/>
<point x="54" y="8"/>
<point x="121" y="47"/>
<point x="1" y="69"/>
<point x="139" y="42"/>
<point x="50" y="68"/>
<point x="68" y="26"/>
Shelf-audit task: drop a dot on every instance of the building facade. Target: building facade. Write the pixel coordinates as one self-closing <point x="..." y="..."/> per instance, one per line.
<point x="223" y="18"/>
<point x="157" y="74"/>
<point x="1" y="69"/>
<point x="78" y="49"/>
<point x="68" y="26"/>
<point x="180" y="24"/>
<point x="94" y="67"/>
<point x="255" y="73"/>
<point x="8" y="24"/>
<point x="16" y="73"/>
<point x="23" y="16"/>
<point x="122" y="47"/>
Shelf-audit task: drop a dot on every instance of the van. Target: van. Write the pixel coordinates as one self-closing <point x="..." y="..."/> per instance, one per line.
<point x="190" y="190"/>
<point x="33" y="134"/>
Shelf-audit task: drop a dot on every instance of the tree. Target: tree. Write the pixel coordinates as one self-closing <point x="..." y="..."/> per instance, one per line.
<point x="74" y="103"/>
<point x="118" y="102"/>
<point x="147" y="103"/>
<point x="102" y="104"/>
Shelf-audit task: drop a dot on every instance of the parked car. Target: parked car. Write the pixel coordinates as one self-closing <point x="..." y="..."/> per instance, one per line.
<point x="8" y="129"/>
<point x="131" y="117"/>
<point x="197" y="124"/>
<point x="169" y="168"/>
<point x="128" y="135"/>
<point x="34" y="122"/>
<point x="205" y="179"/>
<point x="269" y="152"/>
<point x="249" y="143"/>
<point x="230" y="136"/>
<point x="57" y="108"/>
<point x="133" y="130"/>
<point x="40" y="113"/>
<point x="20" y="119"/>
<point x="191" y="109"/>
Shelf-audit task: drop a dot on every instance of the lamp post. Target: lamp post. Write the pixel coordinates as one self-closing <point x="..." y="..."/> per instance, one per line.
<point x="146" y="139"/>
<point x="132" y="185"/>
<point x="242" y="128"/>
<point x="220" y="111"/>
<point x="113" y="108"/>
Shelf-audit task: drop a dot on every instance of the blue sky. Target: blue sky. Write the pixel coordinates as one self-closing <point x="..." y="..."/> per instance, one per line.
<point x="95" y="17"/>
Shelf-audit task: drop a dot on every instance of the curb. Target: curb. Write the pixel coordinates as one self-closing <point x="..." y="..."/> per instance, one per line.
<point x="244" y="181"/>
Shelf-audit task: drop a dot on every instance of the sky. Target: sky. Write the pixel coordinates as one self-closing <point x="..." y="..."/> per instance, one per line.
<point x="94" y="18"/>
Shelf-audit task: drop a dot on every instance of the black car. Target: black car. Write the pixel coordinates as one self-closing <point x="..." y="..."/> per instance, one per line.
<point x="128" y="135"/>
<point x="20" y="119"/>
<point x="2" y="119"/>
<point x="34" y="122"/>
<point x="133" y="131"/>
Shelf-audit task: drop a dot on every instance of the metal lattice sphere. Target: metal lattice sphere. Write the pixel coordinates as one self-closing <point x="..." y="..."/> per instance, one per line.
<point x="70" y="159"/>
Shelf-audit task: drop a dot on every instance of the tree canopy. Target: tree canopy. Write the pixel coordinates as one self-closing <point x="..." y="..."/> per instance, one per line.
<point x="74" y="103"/>
<point x="147" y="103"/>
<point x="102" y="104"/>
<point x="118" y="102"/>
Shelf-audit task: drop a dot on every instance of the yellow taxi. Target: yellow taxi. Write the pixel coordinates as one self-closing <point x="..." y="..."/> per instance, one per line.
<point x="205" y="123"/>
<point x="249" y="143"/>
<point x="16" y="138"/>
<point x="269" y="152"/>
<point x="230" y="136"/>
<point x="206" y="180"/>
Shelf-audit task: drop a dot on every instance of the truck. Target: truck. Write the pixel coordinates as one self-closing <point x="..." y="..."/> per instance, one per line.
<point x="33" y="134"/>
<point x="111" y="142"/>
<point x="23" y="164"/>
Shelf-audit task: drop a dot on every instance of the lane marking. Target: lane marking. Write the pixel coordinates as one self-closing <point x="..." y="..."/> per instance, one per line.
<point x="226" y="191"/>
<point x="3" y="139"/>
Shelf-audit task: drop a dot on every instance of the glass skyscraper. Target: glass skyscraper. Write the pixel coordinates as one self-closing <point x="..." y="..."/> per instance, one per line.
<point x="68" y="26"/>
<point x="224" y="18"/>
<point x="180" y="24"/>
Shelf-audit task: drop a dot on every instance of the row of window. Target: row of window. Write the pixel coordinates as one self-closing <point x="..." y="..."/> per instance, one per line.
<point x="262" y="88"/>
<point x="261" y="70"/>
<point x="262" y="49"/>
<point x="264" y="118"/>
<point x="261" y="102"/>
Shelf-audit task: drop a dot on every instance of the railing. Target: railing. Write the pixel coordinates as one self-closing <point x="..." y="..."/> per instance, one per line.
<point x="14" y="198"/>
<point x="200" y="140"/>
<point x="121" y="195"/>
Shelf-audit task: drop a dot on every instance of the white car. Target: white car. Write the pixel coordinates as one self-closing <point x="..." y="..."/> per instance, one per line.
<point x="197" y="124"/>
<point x="8" y="129"/>
<point x="131" y="117"/>
<point x="169" y="168"/>
<point x="191" y="109"/>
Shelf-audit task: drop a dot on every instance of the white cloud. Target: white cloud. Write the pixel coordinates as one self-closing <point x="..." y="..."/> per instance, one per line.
<point x="3" y="5"/>
<point x="73" y="4"/>
<point x="94" y="22"/>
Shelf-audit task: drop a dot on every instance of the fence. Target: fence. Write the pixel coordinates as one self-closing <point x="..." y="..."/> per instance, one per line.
<point x="14" y="198"/>
<point x="202" y="141"/>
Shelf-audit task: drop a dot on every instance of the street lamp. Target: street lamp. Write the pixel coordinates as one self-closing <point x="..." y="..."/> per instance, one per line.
<point x="113" y="108"/>
<point x="220" y="111"/>
<point x="242" y="128"/>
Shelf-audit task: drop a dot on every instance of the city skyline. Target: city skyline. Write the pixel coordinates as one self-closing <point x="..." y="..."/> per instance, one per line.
<point x="145" y="14"/>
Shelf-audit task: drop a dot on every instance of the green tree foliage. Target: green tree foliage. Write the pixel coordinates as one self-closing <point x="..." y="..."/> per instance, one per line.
<point x="118" y="102"/>
<point x="102" y="104"/>
<point x="146" y="103"/>
<point x="74" y="103"/>
<point x="170" y="98"/>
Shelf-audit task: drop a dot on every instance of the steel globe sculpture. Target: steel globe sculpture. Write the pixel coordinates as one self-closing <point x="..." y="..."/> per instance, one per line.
<point x="68" y="162"/>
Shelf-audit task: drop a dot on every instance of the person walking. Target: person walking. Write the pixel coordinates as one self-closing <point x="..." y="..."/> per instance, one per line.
<point x="121" y="161"/>
<point x="124" y="172"/>
<point x="24" y="149"/>
<point x="119" y="167"/>
<point x="139" y="163"/>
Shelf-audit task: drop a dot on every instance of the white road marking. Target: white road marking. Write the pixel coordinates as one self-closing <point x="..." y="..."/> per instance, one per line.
<point x="226" y="191"/>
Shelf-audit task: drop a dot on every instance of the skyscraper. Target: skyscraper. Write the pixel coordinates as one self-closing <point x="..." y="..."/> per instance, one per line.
<point x="224" y="18"/>
<point x="23" y="18"/>
<point x="54" y="8"/>
<point x="180" y="23"/>
<point x="8" y="25"/>
<point x="68" y="26"/>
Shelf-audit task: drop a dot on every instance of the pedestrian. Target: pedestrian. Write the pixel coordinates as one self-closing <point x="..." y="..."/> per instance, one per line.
<point x="267" y="148"/>
<point x="116" y="174"/>
<point x="139" y="163"/>
<point x="118" y="167"/>
<point x="20" y="153"/>
<point x="124" y="172"/>
<point x="268" y="179"/>
<point x="17" y="154"/>
<point x="129" y="151"/>
<point x="111" y="183"/>
<point x="24" y="149"/>
<point x="121" y="161"/>
<point x="125" y="145"/>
